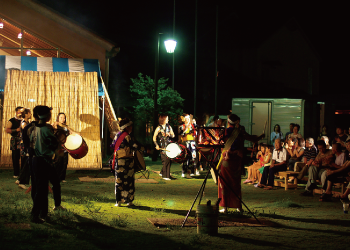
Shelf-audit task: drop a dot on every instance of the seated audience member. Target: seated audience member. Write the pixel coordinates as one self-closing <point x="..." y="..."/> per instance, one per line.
<point x="326" y="140"/>
<point x="310" y="153"/>
<point x="345" y="196"/>
<point x="291" y="126"/>
<point x="264" y="157"/>
<point x="279" y="163"/>
<point x="296" y="154"/>
<point x="324" y="132"/>
<point x="268" y="151"/>
<point x="254" y="151"/>
<point x="340" y="137"/>
<point x="295" y="133"/>
<point x="337" y="173"/>
<point x="322" y="161"/>
<point x="276" y="134"/>
<point x="289" y="145"/>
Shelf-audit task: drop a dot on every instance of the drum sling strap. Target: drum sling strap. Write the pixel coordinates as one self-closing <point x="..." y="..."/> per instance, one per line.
<point x="117" y="144"/>
<point x="228" y="144"/>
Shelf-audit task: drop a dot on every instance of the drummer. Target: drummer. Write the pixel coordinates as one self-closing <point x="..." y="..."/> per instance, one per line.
<point x="61" y="160"/>
<point x="123" y="163"/>
<point x="187" y="132"/>
<point x="161" y="139"/>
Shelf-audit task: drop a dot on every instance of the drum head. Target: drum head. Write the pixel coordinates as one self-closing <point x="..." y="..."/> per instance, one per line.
<point x="73" y="142"/>
<point x="172" y="150"/>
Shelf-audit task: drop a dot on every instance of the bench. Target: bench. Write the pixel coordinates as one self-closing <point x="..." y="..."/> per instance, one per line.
<point x="284" y="183"/>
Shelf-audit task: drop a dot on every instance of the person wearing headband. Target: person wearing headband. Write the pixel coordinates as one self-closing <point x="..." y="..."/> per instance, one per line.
<point x="43" y="144"/>
<point x="229" y="182"/>
<point x="188" y="134"/>
<point x="161" y="139"/>
<point x="123" y="163"/>
<point x="13" y="128"/>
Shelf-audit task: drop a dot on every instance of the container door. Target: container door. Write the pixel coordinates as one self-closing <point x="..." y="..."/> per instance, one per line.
<point x="261" y="115"/>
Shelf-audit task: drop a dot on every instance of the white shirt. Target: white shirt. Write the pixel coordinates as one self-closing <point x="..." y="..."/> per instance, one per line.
<point x="279" y="156"/>
<point x="340" y="159"/>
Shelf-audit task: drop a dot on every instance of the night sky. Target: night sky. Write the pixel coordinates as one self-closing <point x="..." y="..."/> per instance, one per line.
<point x="134" y="25"/>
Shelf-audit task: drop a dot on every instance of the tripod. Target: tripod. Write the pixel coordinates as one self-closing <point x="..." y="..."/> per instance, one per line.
<point x="201" y="189"/>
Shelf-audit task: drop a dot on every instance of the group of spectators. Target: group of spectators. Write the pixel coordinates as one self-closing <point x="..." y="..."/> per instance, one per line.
<point x="325" y="160"/>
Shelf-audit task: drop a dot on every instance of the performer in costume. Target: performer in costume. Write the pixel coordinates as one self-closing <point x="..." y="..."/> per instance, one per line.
<point x="188" y="134"/>
<point x="229" y="185"/>
<point x="161" y="139"/>
<point x="123" y="163"/>
<point x="24" y="175"/>
<point x="61" y="158"/>
<point x="43" y="143"/>
<point x="13" y="128"/>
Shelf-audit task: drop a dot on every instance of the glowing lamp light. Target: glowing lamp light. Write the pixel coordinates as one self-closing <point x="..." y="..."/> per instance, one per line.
<point x="31" y="100"/>
<point x="28" y="52"/>
<point x="170" y="46"/>
<point x="1" y="25"/>
<point x="19" y="35"/>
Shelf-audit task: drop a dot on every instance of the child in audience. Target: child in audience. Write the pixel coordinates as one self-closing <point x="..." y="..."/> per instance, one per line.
<point x="264" y="158"/>
<point x="268" y="161"/>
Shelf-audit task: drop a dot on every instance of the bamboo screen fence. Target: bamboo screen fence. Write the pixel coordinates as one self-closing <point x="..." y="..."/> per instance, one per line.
<point x="73" y="93"/>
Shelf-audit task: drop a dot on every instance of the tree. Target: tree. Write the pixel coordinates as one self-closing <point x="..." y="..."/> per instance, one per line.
<point x="169" y="100"/>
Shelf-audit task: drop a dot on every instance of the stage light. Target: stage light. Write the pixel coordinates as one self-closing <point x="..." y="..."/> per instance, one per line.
<point x="31" y="100"/>
<point x="19" y="36"/>
<point x="170" y="46"/>
<point x="1" y="25"/>
<point x="28" y="52"/>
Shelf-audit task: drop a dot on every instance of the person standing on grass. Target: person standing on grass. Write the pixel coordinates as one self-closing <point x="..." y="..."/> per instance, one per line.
<point x="44" y="143"/>
<point x="230" y="164"/>
<point x="61" y="160"/>
<point x="24" y="175"/>
<point x="161" y="139"/>
<point x="13" y="127"/>
<point x="123" y="163"/>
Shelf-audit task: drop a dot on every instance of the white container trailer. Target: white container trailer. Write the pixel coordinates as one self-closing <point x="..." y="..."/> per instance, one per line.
<point x="255" y="112"/>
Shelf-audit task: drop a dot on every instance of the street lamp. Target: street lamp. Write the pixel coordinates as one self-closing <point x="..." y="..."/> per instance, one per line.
<point x="170" y="48"/>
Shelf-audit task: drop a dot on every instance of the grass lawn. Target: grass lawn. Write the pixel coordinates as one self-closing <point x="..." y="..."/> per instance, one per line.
<point x="92" y="222"/>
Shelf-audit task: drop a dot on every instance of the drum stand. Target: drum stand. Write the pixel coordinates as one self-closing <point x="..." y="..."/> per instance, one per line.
<point x="201" y="189"/>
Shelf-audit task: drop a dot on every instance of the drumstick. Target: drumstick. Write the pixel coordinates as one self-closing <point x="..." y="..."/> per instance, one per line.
<point x="164" y="149"/>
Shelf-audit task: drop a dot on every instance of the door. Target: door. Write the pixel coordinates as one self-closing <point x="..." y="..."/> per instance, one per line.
<point x="261" y="115"/>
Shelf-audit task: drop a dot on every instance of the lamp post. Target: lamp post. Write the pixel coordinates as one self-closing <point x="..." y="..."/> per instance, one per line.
<point x="170" y="48"/>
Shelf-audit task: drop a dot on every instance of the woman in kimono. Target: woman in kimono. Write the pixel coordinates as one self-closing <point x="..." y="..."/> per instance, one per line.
<point x="123" y="163"/>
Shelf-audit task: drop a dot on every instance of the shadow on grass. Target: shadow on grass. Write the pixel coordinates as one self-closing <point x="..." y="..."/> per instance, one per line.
<point x="332" y="222"/>
<point x="74" y="231"/>
<point x="250" y="241"/>
<point x="169" y="211"/>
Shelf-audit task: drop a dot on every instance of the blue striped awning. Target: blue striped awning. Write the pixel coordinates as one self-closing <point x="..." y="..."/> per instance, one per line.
<point x="50" y="64"/>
